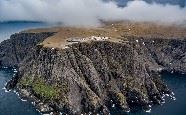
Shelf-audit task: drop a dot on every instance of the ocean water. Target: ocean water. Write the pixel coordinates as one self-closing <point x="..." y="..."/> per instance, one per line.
<point x="10" y="103"/>
<point x="8" y="28"/>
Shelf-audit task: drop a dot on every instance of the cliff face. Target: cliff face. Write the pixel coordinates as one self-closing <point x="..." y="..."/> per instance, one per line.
<point x="89" y="77"/>
<point x="15" y="49"/>
<point x="170" y="54"/>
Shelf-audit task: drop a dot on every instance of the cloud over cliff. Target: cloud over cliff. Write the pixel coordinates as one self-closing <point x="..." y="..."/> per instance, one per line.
<point x="87" y="12"/>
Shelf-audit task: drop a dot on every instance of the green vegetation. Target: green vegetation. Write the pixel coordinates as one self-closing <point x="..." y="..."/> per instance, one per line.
<point x="44" y="90"/>
<point x="24" y="82"/>
<point x="120" y="98"/>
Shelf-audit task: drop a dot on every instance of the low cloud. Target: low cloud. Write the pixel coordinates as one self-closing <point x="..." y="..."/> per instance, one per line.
<point x="88" y="12"/>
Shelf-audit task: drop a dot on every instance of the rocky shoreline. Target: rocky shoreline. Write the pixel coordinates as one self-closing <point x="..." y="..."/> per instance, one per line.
<point x="87" y="77"/>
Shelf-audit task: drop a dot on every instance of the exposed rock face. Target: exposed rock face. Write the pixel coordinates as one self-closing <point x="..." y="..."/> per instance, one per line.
<point x="170" y="54"/>
<point x="15" y="49"/>
<point x="87" y="76"/>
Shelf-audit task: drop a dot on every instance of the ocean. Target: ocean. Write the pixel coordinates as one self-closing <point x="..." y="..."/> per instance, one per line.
<point x="10" y="103"/>
<point x="8" y="28"/>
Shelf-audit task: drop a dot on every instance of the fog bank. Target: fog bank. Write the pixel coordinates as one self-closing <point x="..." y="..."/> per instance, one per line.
<point x="88" y="12"/>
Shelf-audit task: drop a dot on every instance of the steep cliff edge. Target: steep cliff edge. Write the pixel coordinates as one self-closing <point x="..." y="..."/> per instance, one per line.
<point x="15" y="49"/>
<point x="89" y="77"/>
<point x="19" y="46"/>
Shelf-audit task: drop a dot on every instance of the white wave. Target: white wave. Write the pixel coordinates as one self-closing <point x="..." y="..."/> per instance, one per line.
<point x="148" y="111"/>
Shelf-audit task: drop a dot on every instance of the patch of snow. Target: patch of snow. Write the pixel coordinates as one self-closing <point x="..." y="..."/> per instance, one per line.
<point x="137" y="41"/>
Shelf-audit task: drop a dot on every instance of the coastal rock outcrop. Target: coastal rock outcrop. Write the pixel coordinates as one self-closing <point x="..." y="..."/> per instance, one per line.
<point x="15" y="49"/>
<point x="88" y="77"/>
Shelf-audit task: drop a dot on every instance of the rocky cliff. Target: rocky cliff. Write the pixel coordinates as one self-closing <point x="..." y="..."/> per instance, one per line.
<point x="15" y="49"/>
<point x="88" y="77"/>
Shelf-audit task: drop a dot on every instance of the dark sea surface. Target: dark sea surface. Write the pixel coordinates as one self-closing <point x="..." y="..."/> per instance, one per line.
<point x="8" y="28"/>
<point x="10" y="103"/>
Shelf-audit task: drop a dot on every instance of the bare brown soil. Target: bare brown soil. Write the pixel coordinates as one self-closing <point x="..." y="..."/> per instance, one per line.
<point x="114" y="30"/>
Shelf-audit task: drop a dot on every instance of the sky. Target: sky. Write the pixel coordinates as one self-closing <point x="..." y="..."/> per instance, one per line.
<point x="88" y="12"/>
